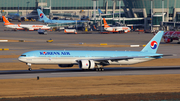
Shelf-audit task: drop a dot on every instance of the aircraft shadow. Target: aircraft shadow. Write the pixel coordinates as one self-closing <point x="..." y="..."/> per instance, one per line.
<point x="79" y="70"/>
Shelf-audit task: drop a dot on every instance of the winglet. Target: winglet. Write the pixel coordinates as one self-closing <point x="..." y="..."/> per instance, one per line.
<point x="6" y="22"/>
<point x="105" y="23"/>
<point x="153" y="44"/>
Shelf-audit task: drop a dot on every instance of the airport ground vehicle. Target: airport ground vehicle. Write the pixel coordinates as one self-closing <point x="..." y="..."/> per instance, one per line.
<point x="69" y="31"/>
<point x="169" y="36"/>
<point x="41" y="31"/>
<point x="50" y="40"/>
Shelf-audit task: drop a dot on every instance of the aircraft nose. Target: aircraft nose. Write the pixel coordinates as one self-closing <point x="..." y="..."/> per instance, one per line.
<point x="21" y="59"/>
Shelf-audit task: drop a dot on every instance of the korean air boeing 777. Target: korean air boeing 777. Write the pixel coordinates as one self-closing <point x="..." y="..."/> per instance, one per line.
<point x="43" y="18"/>
<point x="93" y="59"/>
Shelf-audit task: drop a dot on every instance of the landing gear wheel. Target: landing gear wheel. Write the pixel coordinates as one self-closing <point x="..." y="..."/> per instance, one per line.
<point x="29" y="69"/>
<point x="99" y="69"/>
<point x="29" y="64"/>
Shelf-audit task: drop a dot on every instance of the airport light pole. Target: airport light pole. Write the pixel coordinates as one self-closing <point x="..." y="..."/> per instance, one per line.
<point x="94" y="8"/>
<point x="27" y="7"/>
<point x="151" y="15"/>
<point x="97" y="5"/>
<point x="41" y="5"/>
<point x="162" y="11"/>
<point x="101" y="21"/>
<point x="119" y="11"/>
<point x="114" y="6"/>
<point x="50" y="6"/>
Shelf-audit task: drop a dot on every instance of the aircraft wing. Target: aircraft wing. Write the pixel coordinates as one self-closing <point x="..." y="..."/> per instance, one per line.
<point x="105" y="60"/>
<point x="30" y="16"/>
<point x="118" y="29"/>
<point x="25" y="27"/>
<point x="118" y="58"/>
<point x="163" y="55"/>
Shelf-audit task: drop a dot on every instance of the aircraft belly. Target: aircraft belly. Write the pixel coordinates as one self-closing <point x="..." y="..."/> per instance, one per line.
<point x="50" y="60"/>
<point x="130" y="61"/>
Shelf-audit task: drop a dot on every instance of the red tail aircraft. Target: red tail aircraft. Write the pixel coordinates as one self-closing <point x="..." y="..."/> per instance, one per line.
<point x="169" y="36"/>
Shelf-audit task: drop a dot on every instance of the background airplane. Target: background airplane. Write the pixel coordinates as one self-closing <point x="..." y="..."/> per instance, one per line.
<point x="23" y="27"/>
<point x="93" y="59"/>
<point x="115" y="29"/>
<point x="169" y="36"/>
<point x="100" y="12"/>
<point x="14" y="16"/>
<point x="43" y="18"/>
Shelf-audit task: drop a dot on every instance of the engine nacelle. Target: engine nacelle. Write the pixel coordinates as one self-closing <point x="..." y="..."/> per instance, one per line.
<point x="65" y="65"/>
<point x="86" y="64"/>
<point x="168" y="40"/>
<point x="125" y="31"/>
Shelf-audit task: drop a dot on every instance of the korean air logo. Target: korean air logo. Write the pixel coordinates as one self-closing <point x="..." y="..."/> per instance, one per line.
<point x="54" y="53"/>
<point x="41" y="15"/>
<point x="86" y="64"/>
<point x="44" y="53"/>
<point x="154" y="44"/>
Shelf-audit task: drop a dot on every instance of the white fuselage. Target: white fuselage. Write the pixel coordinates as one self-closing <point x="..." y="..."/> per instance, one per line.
<point x="117" y="29"/>
<point x="72" y="60"/>
<point x="29" y="27"/>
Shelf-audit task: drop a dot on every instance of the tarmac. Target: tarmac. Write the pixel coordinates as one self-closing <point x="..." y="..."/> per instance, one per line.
<point x="116" y="71"/>
<point x="35" y="41"/>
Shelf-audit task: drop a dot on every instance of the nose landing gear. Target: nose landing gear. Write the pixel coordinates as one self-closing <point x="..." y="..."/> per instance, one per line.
<point x="29" y="64"/>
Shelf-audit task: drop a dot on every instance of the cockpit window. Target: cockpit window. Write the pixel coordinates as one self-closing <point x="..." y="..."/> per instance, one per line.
<point x="23" y="55"/>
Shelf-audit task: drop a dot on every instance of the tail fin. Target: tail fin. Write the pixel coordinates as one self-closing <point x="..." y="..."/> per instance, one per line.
<point x="6" y="22"/>
<point x="105" y="23"/>
<point x="153" y="44"/>
<point x="100" y="12"/>
<point x="42" y="16"/>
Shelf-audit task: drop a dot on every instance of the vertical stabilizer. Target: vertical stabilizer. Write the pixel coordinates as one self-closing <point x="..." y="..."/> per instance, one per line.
<point x="42" y="16"/>
<point x="153" y="44"/>
<point x="105" y="23"/>
<point x="6" y="22"/>
<point x="100" y="12"/>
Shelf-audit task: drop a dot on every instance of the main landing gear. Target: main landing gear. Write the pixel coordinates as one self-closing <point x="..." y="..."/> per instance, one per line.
<point x="29" y="64"/>
<point x="99" y="68"/>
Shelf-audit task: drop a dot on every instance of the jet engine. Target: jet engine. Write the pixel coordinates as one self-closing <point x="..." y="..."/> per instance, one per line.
<point x="168" y="40"/>
<point x="65" y="65"/>
<point x="86" y="64"/>
<point x="125" y="31"/>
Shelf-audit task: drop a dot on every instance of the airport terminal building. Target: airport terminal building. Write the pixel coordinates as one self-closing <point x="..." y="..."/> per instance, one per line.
<point x="162" y="10"/>
<point x="77" y="7"/>
<point x="142" y="13"/>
